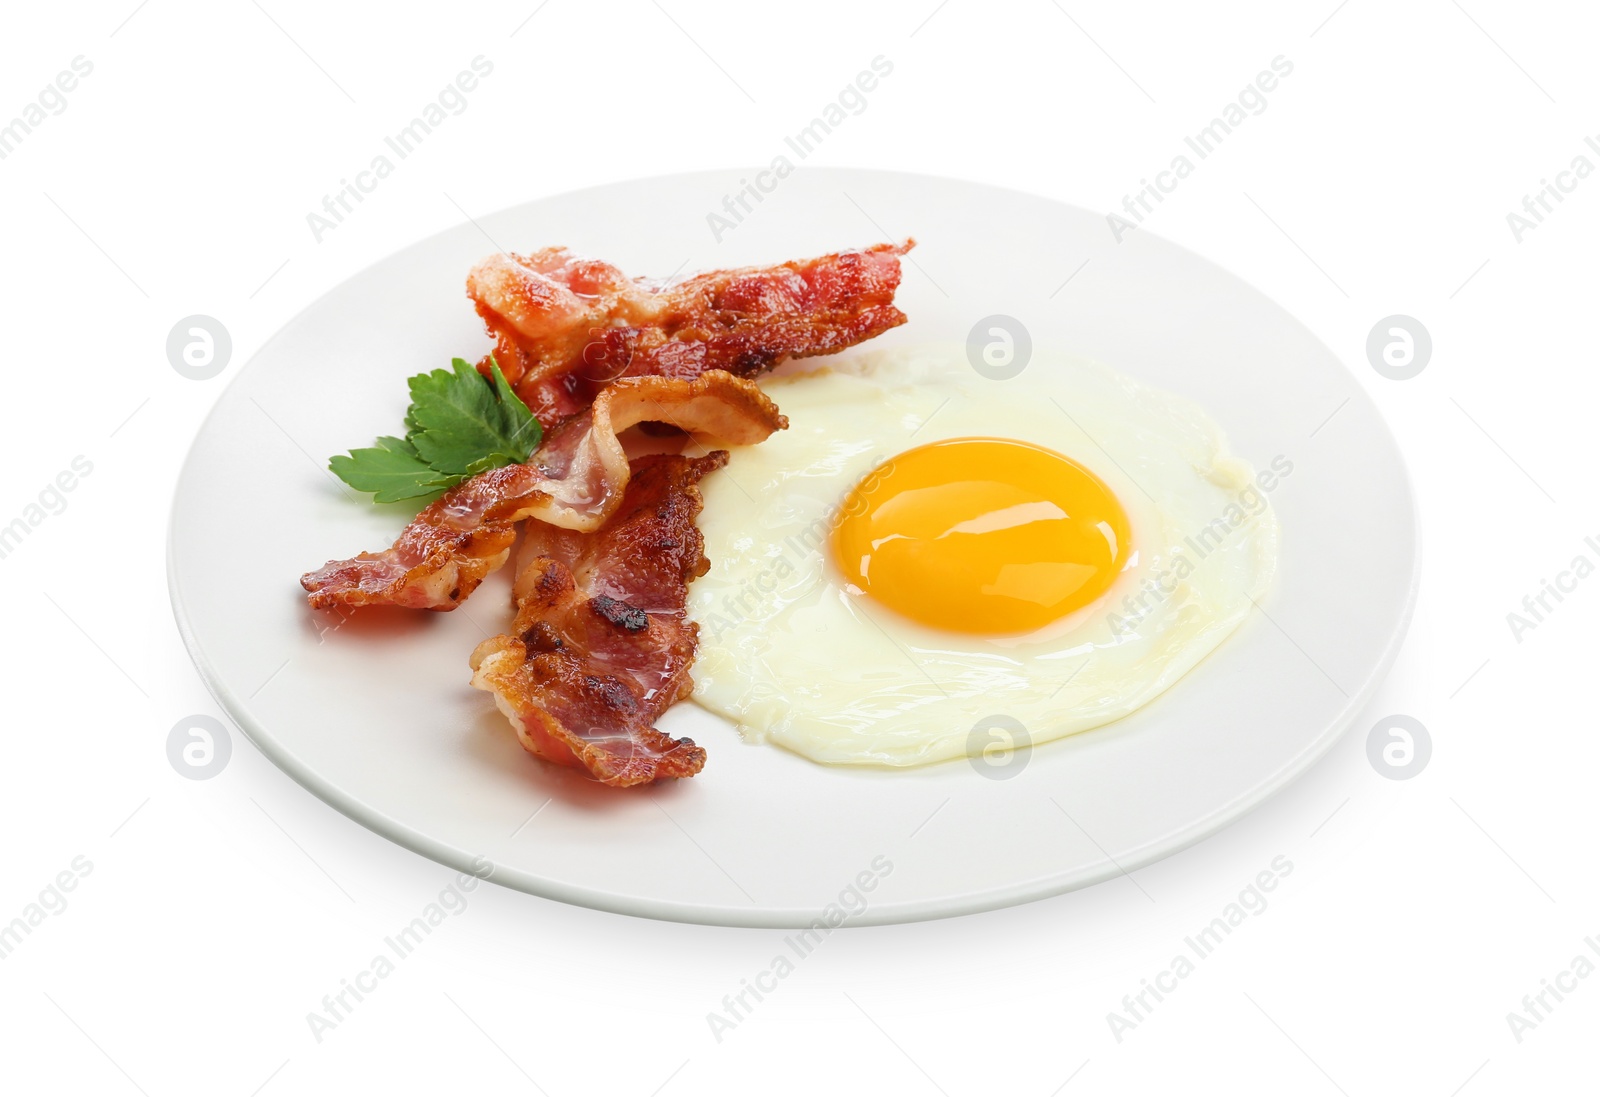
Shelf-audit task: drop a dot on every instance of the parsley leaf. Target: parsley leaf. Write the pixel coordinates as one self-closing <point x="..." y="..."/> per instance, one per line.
<point x="459" y="424"/>
<point x="463" y="423"/>
<point x="390" y="469"/>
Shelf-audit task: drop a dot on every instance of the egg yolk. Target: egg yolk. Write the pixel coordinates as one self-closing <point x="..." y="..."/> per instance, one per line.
<point x="981" y="535"/>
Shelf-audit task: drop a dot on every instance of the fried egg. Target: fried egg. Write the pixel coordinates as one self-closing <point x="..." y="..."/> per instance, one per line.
<point x="926" y="553"/>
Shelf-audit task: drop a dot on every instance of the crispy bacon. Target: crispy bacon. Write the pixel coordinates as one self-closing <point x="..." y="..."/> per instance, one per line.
<point x="601" y="645"/>
<point x="576" y="481"/>
<point x="564" y="325"/>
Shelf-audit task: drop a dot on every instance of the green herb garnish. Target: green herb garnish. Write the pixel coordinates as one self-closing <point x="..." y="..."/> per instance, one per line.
<point x="458" y="425"/>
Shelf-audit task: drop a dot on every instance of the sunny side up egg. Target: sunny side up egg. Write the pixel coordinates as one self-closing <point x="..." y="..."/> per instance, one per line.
<point x="924" y="549"/>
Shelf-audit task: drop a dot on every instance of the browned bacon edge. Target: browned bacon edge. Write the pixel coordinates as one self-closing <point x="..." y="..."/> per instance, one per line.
<point x="576" y="480"/>
<point x="601" y="645"/>
<point x="565" y="325"/>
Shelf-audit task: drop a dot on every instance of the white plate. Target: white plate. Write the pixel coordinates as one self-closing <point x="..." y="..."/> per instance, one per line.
<point x="376" y="716"/>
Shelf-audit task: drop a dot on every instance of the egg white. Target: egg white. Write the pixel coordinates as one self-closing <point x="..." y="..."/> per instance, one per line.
<point x="795" y="658"/>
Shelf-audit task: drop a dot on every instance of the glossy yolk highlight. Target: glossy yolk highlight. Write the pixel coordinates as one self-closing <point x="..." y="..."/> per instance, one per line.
<point x="982" y="535"/>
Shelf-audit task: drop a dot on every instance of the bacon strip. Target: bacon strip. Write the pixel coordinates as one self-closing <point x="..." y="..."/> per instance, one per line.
<point x="576" y="481"/>
<point x="601" y="645"/>
<point x="565" y="325"/>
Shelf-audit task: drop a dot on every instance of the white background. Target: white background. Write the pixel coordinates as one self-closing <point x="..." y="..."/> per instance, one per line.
<point x="219" y="913"/>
